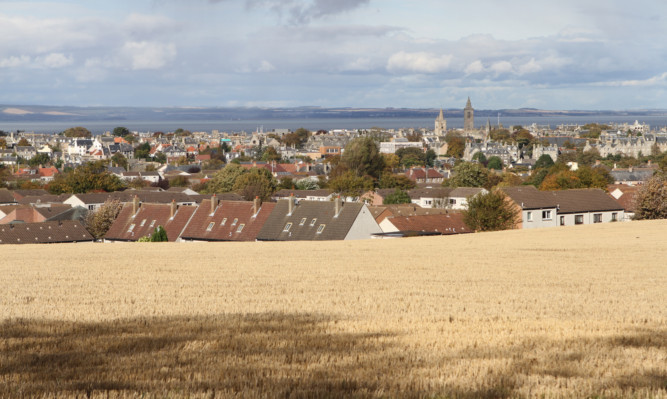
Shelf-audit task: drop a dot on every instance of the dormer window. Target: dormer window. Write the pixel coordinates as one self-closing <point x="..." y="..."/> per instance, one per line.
<point x="240" y="229"/>
<point x="312" y="222"/>
<point x="320" y="229"/>
<point x="223" y="222"/>
<point x="129" y="230"/>
<point x="302" y="222"/>
<point x="210" y="226"/>
<point x="143" y="222"/>
<point x="152" y="223"/>
<point x="287" y="227"/>
<point x="236" y="220"/>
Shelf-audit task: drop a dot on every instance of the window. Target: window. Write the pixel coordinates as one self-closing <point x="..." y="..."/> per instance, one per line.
<point x="210" y="226"/>
<point x="529" y="216"/>
<point x="320" y="229"/>
<point x="152" y="223"/>
<point x="223" y="222"/>
<point x="240" y="229"/>
<point x="91" y="207"/>
<point x="302" y="222"/>
<point x="562" y="220"/>
<point x="287" y="227"/>
<point x="546" y="215"/>
<point x="597" y="218"/>
<point x="143" y="222"/>
<point x="312" y="222"/>
<point x="129" y="230"/>
<point x="452" y="201"/>
<point x="578" y="219"/>
<point x="236" y="220"/>
<point x="614" y="217"/>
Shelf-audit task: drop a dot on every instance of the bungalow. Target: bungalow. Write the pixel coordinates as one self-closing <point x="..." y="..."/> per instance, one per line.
<point x="93" y="201"/>
<point x="385" y="211"/>
<point x="308" y="195"/>
<point x="425" y="175"/>
<point x="32" y="214"/>
<point x="445" y="224"/>
<point x="44" y="233"/>
<point x="137" y="220"/>
<point x="537" y="210"/>
<point x="318" y="220"/>
<point x="227" y="220"/>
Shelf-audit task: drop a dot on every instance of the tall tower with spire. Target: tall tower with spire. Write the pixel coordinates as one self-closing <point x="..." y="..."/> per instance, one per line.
<point x="440" y="125"/>
<point x="468" y="117"/>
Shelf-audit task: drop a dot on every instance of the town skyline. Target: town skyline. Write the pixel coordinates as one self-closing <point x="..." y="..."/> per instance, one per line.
<point x="355" y="53"/>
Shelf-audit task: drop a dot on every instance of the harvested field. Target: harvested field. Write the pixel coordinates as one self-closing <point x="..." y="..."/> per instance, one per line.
<point x="563" y="312"/>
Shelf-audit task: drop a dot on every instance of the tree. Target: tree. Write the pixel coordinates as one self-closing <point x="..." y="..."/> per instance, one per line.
<point x="78" y="131"/>
<point x="430" y="157"/>
<point x="255" y="183"/>
<point x="121" y="131"/>
<point x="98" y="223"/>
<point x="142" y="151"/>
<point x="89" y="177"/>
<point x="544" y="161"/>
<point x="468" y="174"/>
<point x="490" y="212"/>
<point x="3" y="144"/>
<point x="119" y="159"/>
<point x="224" y="179"/>
<point x="411" y="156"/>
<point x="362" y="156"/>
<point x="297" y="138"/>
<point x="39" y="159"/>
<point x="495" y="163"/>
<point x="390" y="180"/>
<point x="455" y="145"/>
<point x="479" y="157"/>
<point x="651" y="198"/>
<point x="23" y="142"/>
<point x="397" y="197"/>
<point x="160" y="157"/>
<point x="307" y="184"/>
<point x="179" y="181"/>
<point x="270" y="154"/>
<point x="159" y="235"/>
<point x="351" y="185"/>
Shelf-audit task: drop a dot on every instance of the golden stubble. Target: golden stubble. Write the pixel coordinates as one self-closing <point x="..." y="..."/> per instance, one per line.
<point x="574" y="311"/>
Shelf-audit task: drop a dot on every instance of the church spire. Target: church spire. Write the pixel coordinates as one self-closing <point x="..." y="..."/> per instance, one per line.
<point x="468" y="104"/>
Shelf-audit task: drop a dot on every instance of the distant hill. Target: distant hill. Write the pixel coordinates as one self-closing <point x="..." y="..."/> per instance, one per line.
<point x="39" y="113"/>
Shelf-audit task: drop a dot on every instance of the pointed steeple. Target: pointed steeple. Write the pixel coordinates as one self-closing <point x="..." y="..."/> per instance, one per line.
<point x="468" y="104"/>
<point x="441" y="116"/>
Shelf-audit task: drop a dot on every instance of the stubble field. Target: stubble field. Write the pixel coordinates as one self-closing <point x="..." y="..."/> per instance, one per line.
<point x="562" y="312"/>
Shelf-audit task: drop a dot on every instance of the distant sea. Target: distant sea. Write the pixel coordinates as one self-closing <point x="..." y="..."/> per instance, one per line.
<point x="314" y="124"/>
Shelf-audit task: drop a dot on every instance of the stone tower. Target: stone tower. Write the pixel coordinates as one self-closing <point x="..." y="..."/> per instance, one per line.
<point x="468" y="117"/>
<point x="440" y="125"/>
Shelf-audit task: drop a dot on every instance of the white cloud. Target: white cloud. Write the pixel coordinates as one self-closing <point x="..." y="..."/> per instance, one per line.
<point x="266" y="66"/>
<point x="650" y="82"/>
<point x="474" y="67"/>
<point x="15" y="61"/>
<point x="421" y="62"/>
<point x="148" y="55"/>
<point x="54" y="60"/>
<point x="501" y="67"/>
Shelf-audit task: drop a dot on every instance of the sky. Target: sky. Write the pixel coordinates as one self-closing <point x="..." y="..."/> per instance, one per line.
<point x="566" y="54"/>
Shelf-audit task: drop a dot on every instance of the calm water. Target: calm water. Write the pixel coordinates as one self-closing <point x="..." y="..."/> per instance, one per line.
<point x="99" y="127"/>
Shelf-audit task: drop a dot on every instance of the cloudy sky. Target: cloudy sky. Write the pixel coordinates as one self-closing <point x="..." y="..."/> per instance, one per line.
<point x="565" y="54"/>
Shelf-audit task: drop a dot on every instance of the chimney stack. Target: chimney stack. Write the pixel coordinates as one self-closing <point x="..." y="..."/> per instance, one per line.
<point x="214" y="203"/>
<point x="338" y="205"/>
<point x="256" y="204"/>
<point x="135" y="205"/>
<point x="172" y="209"/>
<point x="290" y="204"/>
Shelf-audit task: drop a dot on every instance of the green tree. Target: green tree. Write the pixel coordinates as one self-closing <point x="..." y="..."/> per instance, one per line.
<point x="397" y="197"/>
<point x="544" y="161"/>
<point x="651" y="198"/>
<point x="350" y="185"/>
<point x="121" y="131"/>
<point x="179" y="181"/>
<point x="479" y="157"/>
<point x="224" y="179"/>
<point x="495" y="163"/>
<point x="362" y="156"/>
<point x="307" y="184"/>
<point x="297" y="138"/>
<point x="159" y="235"/>
<point x="411" y="156"/>
<point x="430" y="157"/>
<point x="78" y="131"/>
<point x="270" y="154"/>
<point x="119" y="159"/>
<point x="390" y="180"/>
<point x="160" y="157"/>
<point x="255" y="183"/>
<point x="142" y="151"/>
<point x="89" y="177"/>
<point x="39" y="159"/>
<point x="490" y="212"/>
<point x="23" y="143"/>
<point x="98" y="223"/>
<point x="3" y="144"/>
<point x="468" y="174"/>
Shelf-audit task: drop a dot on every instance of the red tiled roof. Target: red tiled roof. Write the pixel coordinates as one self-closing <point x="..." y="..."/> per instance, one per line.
<point x="224" y="223"/>
<point x="131" y="227"/>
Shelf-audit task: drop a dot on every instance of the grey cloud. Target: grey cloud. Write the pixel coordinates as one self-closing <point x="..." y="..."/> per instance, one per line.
<point x="303" y="11"/>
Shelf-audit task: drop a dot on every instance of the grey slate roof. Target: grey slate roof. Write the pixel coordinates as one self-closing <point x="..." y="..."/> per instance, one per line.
<point x="323" y="212"/>
<point x="583" y="200"/>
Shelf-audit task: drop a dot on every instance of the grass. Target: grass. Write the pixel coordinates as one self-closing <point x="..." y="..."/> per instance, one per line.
<point x="568" y="312"/>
